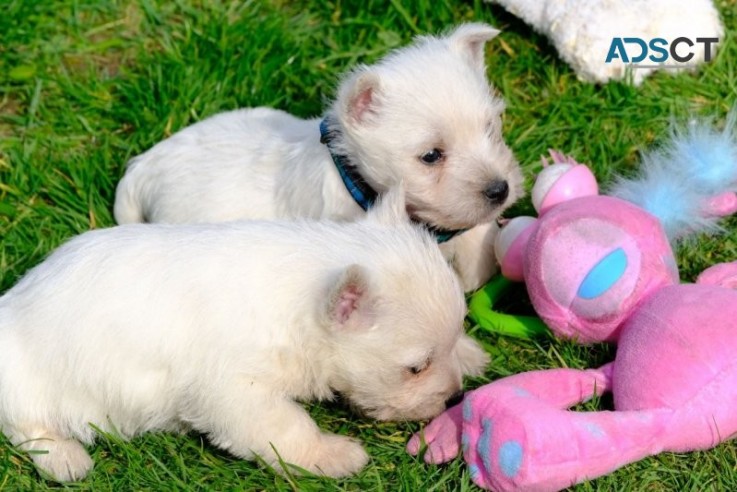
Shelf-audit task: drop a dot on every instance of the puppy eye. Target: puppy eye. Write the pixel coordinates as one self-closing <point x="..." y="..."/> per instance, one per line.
<point x="432" y="157"/>
<point x="415" y="370"/>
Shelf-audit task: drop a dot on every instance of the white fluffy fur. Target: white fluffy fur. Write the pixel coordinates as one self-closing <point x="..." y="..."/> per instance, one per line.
<point x="264" y="164"/>
<point x="582" y="30"/>
<point x="222" y="328"/>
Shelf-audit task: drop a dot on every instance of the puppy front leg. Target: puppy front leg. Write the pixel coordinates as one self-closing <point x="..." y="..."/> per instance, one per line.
<point x="472" y="255"/>
<point x="274" y="427"/>
<point x="63" y="458"/>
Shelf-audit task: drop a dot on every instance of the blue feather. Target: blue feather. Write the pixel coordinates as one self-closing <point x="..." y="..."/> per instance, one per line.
<point x="697" y="163"/>
<point x="707" y="157"/>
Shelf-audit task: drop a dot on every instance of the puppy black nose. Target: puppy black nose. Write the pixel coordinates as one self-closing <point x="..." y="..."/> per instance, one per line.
<point x="454" y="399"/>
<point x="497" y="191"/>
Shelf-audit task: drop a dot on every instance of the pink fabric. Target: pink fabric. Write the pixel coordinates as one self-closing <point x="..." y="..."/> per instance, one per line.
<point x="442" y="437"/>
<point x="724" y="274"/>
<point x="512" y="264"/>
<point x="674" y="379"/>
<point x="569" y="239"/>
<point x="684" y="361"/>
<point x="523" y="442"/>
<point x="674" y="382"/>
<point x="577" y="182"/>
<point x="721" y="205"/>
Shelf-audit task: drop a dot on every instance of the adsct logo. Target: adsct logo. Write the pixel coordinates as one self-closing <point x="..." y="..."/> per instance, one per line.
<point x="658" y="51"/>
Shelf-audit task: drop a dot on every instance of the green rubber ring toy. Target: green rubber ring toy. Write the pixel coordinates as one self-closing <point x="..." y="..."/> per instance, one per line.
<point x="481" y="311"/>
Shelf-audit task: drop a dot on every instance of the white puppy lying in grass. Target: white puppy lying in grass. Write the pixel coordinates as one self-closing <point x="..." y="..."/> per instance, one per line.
<point x="424" y="115"/>
<point x="223" y="328"/>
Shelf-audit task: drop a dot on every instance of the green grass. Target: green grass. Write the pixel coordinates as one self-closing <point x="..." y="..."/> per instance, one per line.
<point x="86" y="85"/>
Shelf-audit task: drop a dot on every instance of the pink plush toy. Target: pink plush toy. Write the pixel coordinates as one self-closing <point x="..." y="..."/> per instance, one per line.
<point x="600" y="268"/>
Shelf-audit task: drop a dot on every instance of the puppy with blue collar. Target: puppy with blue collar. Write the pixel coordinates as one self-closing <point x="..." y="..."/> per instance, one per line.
<point x="425" y="116"/>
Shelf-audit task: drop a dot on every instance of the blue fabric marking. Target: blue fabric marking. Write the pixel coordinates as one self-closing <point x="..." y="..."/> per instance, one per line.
<point x="465" y="442"/>
<point x="475" y="471"/>
<point x="521" y="392"/>
<point x="483" y="446"/>
<point x="603" y="275"/>
<point x="594" y="429"/>
<point x="510" y="458"/>
<point x="467" y="410"/>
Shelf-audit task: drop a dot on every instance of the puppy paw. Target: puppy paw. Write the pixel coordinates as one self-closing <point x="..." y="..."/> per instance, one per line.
<point x="472" y="255"/>
<point x="338" y="456"/>
<point x="472" y="357"/>
<point x="65" y="460"/>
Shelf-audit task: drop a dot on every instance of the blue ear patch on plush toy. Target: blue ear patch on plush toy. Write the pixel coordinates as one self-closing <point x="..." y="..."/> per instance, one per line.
<point x="697" y="164"/>
<point x="603" y="275"/>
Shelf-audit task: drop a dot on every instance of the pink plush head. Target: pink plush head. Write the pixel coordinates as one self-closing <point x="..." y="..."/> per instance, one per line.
<point x="587" y="261"/>
<point x="590" y="261"/>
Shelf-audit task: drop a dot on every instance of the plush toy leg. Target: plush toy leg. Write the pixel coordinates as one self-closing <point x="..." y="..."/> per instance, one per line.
<point x="721" y="205"/>
<point x="724" y="274"/>
<point x="443" y="435"/>
<point x="516" y="442"/>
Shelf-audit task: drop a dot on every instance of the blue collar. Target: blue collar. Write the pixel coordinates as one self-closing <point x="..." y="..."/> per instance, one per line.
<point x="364" y="195"/>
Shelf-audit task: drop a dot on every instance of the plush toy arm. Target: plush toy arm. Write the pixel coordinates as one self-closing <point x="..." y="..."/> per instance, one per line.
<point x="560" y="388"/>
<point x="722" y="274"/>
<point x="442" y="437"/>
<point x="515" y="442"/>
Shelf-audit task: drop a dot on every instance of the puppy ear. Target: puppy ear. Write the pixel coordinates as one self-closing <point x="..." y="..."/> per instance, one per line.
<point x="472" y="357"/>
<point x="468" y="40"/>
<point x="350" y="303"/>
<point x="391" y="209"/>
<point x="360" y="96"/>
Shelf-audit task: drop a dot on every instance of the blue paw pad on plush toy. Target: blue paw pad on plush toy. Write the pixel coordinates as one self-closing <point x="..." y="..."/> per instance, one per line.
<point x="510" y="458"/>
<point x="484" y="444"/>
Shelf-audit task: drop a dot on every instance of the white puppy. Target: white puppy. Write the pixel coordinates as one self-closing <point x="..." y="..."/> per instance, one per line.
<point x="222" y="328"/>
<point x="424" y="115"/>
